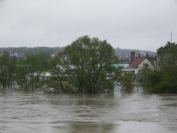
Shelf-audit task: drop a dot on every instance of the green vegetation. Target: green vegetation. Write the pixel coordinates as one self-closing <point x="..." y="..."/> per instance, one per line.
<point x="127" y="80"/>
<point x="164" y="80"/>
<point x="7" y="69"/>
<point x="85" y="66"/>
<point x="30" y="69"/>
<point x="24" y="72"/>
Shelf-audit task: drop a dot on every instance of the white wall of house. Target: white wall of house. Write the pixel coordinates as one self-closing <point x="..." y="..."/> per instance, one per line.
<point x="133" y="70"/>
<point x="146" y="61"/>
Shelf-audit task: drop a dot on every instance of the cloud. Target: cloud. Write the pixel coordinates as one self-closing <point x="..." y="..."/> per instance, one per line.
<point x="124" y="23"/>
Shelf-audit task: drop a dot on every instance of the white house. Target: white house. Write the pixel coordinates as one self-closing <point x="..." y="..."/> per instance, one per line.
<point x="138" y="63"/>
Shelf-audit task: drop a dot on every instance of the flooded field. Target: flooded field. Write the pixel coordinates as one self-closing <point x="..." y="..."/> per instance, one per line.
<point x="34" y="112"/>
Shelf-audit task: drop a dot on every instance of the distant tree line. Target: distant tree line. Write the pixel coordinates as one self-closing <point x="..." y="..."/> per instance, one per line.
<point x="27" y="51"/>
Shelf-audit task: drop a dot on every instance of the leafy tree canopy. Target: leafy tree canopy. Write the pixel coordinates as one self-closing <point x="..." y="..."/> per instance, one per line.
<point x="86" y="66"/>
<point x="165" y="79"/>
<point x="167" y="56"/>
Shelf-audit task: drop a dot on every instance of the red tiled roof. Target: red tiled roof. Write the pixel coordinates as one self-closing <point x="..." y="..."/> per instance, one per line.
<point x="136" y="62"/>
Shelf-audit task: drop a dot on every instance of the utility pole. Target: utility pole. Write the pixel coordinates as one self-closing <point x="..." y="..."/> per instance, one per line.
<point x="171" y="37"/>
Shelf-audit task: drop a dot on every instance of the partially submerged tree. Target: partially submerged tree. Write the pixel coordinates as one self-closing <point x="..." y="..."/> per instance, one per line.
<point x="7" y="69"/>
<point x="164" y="80"/>
<point x="85" y="66"/>
<point x="29" y="70"/>
<point x="127" y="80"/>
<point x="4" y="69"/>
<point x="167" y="56"/>
<point x="150" y="78"/>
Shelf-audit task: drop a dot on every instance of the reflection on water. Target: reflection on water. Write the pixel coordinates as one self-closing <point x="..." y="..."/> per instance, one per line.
<point x="131" y="113"/>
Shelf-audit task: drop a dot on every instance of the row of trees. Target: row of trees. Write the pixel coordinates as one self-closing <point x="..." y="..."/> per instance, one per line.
<point x="24" y="72"/>
<point x="85" y="66"/>
<point x="164" y="79"/>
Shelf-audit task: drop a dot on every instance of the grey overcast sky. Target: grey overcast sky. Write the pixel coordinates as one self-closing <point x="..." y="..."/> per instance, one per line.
<point x="131" y="24"/>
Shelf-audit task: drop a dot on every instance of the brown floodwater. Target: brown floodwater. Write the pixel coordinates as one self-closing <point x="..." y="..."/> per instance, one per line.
<point x="36" y="112"/>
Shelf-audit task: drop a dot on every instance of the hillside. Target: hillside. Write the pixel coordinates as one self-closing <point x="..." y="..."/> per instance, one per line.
<point x="126" y="53"/>
<point x="25" y="51"/>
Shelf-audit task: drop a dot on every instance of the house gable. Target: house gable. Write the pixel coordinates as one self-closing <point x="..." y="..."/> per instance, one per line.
<point x="145" y="63"/>
<point x="138" y="63"/>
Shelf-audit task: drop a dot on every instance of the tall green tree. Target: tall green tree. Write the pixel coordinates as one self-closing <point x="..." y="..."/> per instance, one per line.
<point x="22" y="74"/>
<point x="29" y="70"/>
<point x="86" y="66"/>
<point x="167" y="56"/>
<point x="164" y="80"/>
<point x="7" y="69"/>
<point x="36" y="65"/>
<point x="150" y="78"/>
<point x="13" y="62"/>
<point x="127" y="80"/>
<point x="4" y="68"/>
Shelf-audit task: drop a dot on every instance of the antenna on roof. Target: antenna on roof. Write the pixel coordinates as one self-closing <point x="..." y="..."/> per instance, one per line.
<point x="171" y="37"/>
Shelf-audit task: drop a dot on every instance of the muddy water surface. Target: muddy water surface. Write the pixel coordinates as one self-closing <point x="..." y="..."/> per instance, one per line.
<point x="27" y="112"/>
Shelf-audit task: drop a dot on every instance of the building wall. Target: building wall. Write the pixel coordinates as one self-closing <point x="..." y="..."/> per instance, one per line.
<point x="133" y="70"/>
<point x="146" y="61"/>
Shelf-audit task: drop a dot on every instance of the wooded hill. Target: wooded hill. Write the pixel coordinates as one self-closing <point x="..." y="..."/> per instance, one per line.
<point x="26" y="51"/>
